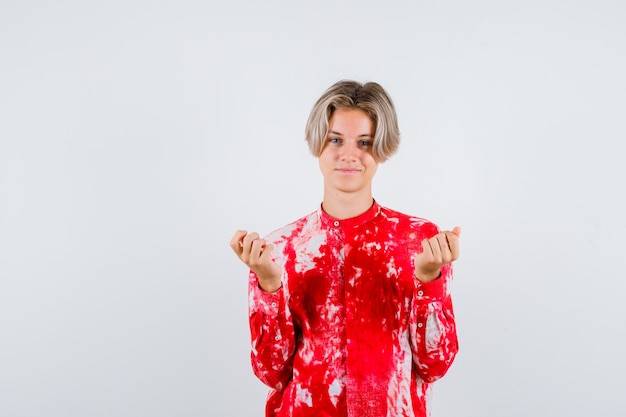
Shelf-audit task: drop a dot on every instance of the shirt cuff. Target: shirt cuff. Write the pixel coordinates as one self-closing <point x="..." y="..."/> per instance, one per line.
<point x="431" y="291"/>
<point x="267" y="303"/>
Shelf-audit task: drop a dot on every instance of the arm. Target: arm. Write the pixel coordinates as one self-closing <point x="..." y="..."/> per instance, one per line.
<point x="272" y="335"/>
<point x="432" y="327"/>
<point x="271" y="327"/>
<point x="434" y="341"/>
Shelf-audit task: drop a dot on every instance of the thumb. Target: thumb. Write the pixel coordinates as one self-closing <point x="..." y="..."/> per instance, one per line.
<point x="457" y="231"/>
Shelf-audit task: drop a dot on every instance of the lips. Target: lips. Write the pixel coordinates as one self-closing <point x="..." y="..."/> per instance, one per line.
<point x="348" y="170"/>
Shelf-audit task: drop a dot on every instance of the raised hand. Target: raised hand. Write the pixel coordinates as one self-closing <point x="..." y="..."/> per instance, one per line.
<point x="257" y="255"/>
<point x="438" y="251"/>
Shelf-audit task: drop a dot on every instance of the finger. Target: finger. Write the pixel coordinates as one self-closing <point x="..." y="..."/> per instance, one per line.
<point x="440" y="241"/>
<point x="266" y="253"/>
<point x="246" y="246"/>
<point x="453" y="244"/>
<point x="427" y="250"/>
<point x="236" y="241"/>
<point x="424" y="257"/>
<point x="436" y="248"/>
<point x="248" y="239"/>
<point x="256" y="250"/>
<point x="457" y="231"/>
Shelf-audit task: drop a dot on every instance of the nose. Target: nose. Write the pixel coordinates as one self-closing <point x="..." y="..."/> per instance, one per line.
<point x="349" y="152"/>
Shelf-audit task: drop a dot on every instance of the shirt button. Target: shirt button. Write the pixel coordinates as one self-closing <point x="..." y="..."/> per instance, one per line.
<point x="274" y="305"/>
<point x="336" y="223"/>
<point x="277" y="337"/>
<point x="420" y="293"/>
<point x="420" y="325"/>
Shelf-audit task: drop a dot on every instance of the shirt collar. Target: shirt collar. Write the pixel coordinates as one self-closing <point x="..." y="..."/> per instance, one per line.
<point x="328" y="220"/>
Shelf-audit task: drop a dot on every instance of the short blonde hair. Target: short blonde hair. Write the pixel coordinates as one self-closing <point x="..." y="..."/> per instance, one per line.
<point x="369" y="97"/>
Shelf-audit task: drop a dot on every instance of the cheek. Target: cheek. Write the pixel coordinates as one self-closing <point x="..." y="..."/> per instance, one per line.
<point x="373" y="169"/>
<point x="326" y="156"/>
<point x="323" y="162"/>
<point x="369" y="161"/>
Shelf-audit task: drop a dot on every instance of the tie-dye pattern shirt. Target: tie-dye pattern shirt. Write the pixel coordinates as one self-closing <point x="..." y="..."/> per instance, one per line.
<point x="351" y="332"/>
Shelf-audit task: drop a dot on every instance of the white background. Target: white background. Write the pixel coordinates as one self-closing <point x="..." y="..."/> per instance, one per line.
<point x="136" y="136"/>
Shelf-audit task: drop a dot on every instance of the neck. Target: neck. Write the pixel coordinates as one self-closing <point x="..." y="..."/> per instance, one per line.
<point x="345" y="206"/>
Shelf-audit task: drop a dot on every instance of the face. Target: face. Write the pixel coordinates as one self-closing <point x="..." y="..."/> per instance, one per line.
<point x="346" y="160"/>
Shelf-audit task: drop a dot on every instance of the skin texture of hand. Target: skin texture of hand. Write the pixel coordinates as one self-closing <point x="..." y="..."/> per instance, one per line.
<point x="253" y="251"/>
<point x="438" y="251"/>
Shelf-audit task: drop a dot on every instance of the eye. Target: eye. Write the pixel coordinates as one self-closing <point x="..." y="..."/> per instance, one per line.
<point x="334" y="140"/>
<point x="365" y="143"/>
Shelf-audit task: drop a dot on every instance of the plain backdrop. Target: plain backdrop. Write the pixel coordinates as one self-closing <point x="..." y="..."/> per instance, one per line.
<point x="136" y="136"/>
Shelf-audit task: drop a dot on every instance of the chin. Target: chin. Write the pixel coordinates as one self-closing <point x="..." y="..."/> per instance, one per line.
<point x="348" y="189"/>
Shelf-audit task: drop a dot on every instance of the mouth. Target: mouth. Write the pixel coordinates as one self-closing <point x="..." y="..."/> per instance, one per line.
<point x="348" y="171"/>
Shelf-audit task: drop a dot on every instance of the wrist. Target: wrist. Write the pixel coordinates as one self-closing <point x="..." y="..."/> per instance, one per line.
<point x="270" y="286"/>
<point x="427" y="276"/>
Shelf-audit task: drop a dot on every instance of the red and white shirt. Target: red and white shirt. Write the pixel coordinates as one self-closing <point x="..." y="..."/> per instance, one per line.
<point x="351" y="332"/>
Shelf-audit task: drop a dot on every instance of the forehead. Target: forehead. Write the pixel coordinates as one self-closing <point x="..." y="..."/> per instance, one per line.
<point x="349" y="120"/>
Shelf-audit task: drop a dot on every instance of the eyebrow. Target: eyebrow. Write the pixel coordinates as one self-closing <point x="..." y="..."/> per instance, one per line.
<point x="365" y="135"/>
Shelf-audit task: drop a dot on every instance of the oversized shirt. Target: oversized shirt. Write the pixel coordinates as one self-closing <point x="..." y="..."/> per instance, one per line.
<point x="351" y="332"/>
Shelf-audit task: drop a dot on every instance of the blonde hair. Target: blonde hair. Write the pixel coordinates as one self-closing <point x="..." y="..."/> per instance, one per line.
<point x="369" y="97"/>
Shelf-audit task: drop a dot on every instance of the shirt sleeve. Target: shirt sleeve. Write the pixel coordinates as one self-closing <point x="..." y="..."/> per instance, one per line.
<point x="434" y="341"/>
<point x="272" y="335"/>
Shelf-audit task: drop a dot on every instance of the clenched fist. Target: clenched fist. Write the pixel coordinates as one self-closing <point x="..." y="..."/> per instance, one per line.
<point x="253" y="251"/>
<point x="438" y="251"/>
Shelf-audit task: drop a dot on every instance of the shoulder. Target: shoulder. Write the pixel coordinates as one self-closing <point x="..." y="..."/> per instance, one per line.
<point x="294" y="228"/>
<point x="423" y="227"/>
